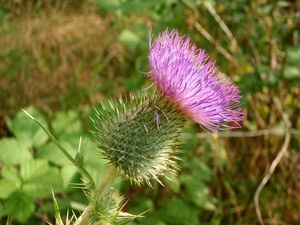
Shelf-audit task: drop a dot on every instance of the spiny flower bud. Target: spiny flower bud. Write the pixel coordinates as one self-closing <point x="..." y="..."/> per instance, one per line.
<point x="138" y="135"/>
<point x="107" y="209"/>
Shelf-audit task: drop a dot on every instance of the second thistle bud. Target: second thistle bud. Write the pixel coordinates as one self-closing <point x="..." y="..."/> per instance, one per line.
<point x="138" y="136"/>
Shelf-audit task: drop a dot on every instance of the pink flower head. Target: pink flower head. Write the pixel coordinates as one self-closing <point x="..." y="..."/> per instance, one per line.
<point x="188" y="78"/>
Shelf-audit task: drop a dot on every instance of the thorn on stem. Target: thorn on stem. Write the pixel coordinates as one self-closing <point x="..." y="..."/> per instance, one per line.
<point x="28" y="114"/>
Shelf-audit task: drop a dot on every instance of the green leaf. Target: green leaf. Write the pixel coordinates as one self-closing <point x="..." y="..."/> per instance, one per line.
<point x="135" y="81"/>
<point x="6" y="188"/>
<point x="40" y="188"/>
<point x="68" y="172"/>
<point x="53" y="153"/>
<point x="110" y="5"/>
<point x="10" y="182"/>
<point x="38" y="178"/>
<point x="2" y="210"/>
<point x="173" y="182"/>
<point x="293" y="55"/>
<point x="190" y="140"/>
<point x="199" y="169"/>
<point x="26" y="129"/>
<point x="198" y="192"/>
<point x="10" y="173"/>
<point x="129" y="39"/>
<point x="177" y="211"/>
<point x="65" y="123"/>
<point x="141" y="204"/>
<point x="96" y="165"/>
<point x="34" y="169"/>
<point x="19" y="206"/>
<point x="13" y="151"/>
<point x="291" y="72"/>
<point x="292" y="68"/>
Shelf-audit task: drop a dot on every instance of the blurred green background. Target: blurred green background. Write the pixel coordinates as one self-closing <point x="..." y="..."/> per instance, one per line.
<point x="60" y="58"/>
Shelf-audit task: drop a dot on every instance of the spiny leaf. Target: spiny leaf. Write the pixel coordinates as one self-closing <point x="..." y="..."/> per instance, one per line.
<point x="58" y="219"/>
<point x="27" y="130"/>
<point x="79" y="157"/>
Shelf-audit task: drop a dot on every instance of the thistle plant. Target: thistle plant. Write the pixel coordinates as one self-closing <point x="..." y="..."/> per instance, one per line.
<point x="140" y="134"/>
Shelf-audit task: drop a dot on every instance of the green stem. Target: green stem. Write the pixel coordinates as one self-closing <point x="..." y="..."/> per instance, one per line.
<point x="82" y="170"/>
<point x="85" y="218"/>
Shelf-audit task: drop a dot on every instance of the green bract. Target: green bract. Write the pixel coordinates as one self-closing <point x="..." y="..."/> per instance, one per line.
<point x="138" y="135"/>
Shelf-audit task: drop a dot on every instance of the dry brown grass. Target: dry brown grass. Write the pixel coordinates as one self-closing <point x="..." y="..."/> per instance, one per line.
<point x="57" y="50"/>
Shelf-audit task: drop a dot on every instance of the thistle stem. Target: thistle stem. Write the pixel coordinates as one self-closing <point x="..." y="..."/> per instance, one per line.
<point x="85" y="218"/>
<point x="81" y="169"/>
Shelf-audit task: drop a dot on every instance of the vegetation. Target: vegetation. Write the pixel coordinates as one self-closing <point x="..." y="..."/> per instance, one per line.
<point x="58" y="59"/>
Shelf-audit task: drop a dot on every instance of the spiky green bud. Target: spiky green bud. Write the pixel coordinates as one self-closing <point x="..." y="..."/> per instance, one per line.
<point x="107" y="209"/>
<point x="138" y="135"/>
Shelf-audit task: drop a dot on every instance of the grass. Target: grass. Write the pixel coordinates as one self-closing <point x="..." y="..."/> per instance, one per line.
<point x="58" y="53"/>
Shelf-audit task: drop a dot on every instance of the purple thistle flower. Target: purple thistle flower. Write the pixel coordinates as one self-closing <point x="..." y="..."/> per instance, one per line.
<point x="189" y="79"/>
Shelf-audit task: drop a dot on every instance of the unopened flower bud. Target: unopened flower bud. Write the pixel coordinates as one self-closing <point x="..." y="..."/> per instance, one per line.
<point x="138" y="135"/>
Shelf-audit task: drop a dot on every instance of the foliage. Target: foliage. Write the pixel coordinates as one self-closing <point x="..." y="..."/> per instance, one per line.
<point x="32" y="165"/>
